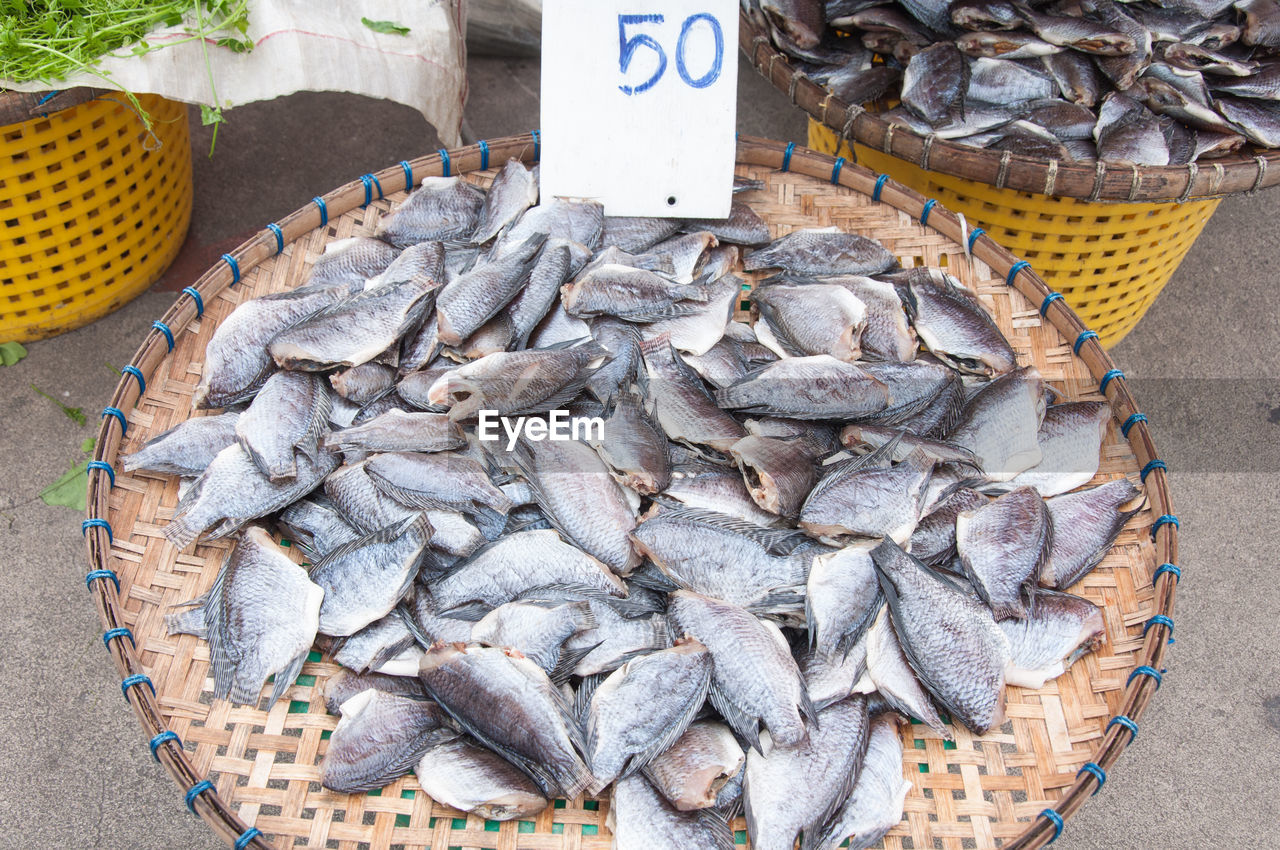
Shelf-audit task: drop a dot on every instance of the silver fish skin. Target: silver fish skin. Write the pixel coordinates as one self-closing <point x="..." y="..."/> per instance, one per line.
<point x="830" y="677"/>
<point x="634" y="447"/>
<point x="1005" y="45"/>
<point x="415" y="387"/>
<point x="754" y="676"/>
<point x="1210" y="145"/>
<point x="631" y="294"/>
<point x="934" y="540"/>
<point x="185" y="449"/>
<point x="752" y="567"/>
<point x="497" y="334"/>
<point x="686" y="252"/>
<point x="697" y="331"/>
<point x="713" y="487"/>
<point x="914" y="387"/>
<point x="288" y="415"/>
<point x="1077" y="77"/>
<point x="1031" y="139"/>
<point x="236" y="361"/>
<point x="875" y="436"/>
<point x="791" y="388"/>
<point x="1263" y="85"/>
<point x="864" y="498"/>
<point x="1127" y="131"/>
<point x="316" y="526"/>
<point x="634" y="234"/>
<point x="516" y="382"/>
<point x="537" y="630"/>
<point x="887" y="335"/>
<point x="573" y="486"/>
<point x="797" y="789"/>
<point x="470" y="778"/>
<point x="1261" y="23"/>
<point x="508" y="703"/>
<point x="577" y="221"/>
<point x="516" y="563"/>
<point x="1193" y="57"/>
<point x="618" y="372"/>
<point x="643" y="707"/>
<point x="1078" y="33"/>
<point x="890" y="674"/>
<point x="467" y="302"/>
<point x="1001" y="423"/>
<point x="1067" y="121"/>
<point x="1123" y="71"/>
<point x="513" y="191"/>
<point x="1002" y="546"/>
<point x="379" y="738"/>
<point x="1085" y="525"/>
<point x="441" y="481"/>
<point x="349" y="263"/>
<point x="1070" y="439"/>
<point x="931" y="13"/>
<point x="680" y="403"/>
<point x="693" y="770"/>
<point x="948" y="637"/>
<point x="419" y="349"/>
<point x="365" y="578"/>
<point x="867" y="85"/>
<point x="371" y="648"/>
<point x="890" y="19"/>
<point x="440" y="208"/>
<point x="232" y="491"/>
<point x="778" y="473"/>
<point x="941" y="414"/>
<point x="843" y="597"/>
<point x="428" y="625"/>
<point x="743" y="226"/>
<point x="1003" y="81"/>
<point x="1060" y="629"/>
<point x="345" y="684"/>
<point x="552" y="268"/>
<point x="641" y="819"/>
<point x="984" y="15"/>
<point x="802" y="20"/>
<point x="558" y="327"/>
<point x="812" y="319"/>
<point x="933" y="85"/>
<point x="822" y="251"/>
<point x="400" y="431"/>
<point x="879" y="796"/>
<point x="723" y="364"/>
<point x="259" y="618"/>
<point x="360" y="502"/>
<point x="364" y="383"/>
<point x="1259" y="120"/>
<point x="955" y="326"/>
<point x="615" y="639"/>
<point x="1191" y="109"/>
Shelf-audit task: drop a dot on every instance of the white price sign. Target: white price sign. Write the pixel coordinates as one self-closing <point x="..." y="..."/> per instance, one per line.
<point x="639" y="104"/>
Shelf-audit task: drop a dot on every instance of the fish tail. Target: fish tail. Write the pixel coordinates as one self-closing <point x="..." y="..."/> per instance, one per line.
<point x="189" y="622"/>
<point x="181" y="531"/>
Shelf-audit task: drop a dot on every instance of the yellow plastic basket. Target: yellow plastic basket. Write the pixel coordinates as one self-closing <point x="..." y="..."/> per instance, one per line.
<point x="1108" y="260"/>
<point x="94" y="209"/>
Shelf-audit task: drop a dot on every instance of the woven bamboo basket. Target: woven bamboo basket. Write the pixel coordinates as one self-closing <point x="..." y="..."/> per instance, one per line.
<point x="253" y="775"/>
<point x="95" y="206"/>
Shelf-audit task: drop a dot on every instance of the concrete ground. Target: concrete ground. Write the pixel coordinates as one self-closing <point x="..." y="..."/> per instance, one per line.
<point x="74" y="768"/>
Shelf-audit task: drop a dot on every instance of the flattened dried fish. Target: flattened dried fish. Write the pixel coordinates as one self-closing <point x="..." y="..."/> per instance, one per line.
<point x="1001" y="422"/>
<point x="810" y="319"/>
<point x="875" y="806"/>
<point x="693" y="770"/>
<point x="380" y="737"/>
<point x="843" y="597"/>
<point x="641" y="819"/>
<point x="472" y="299"/>
<point x="779" y="473"/>
<point x="516" y="382"/>
<point x="473" y="779"/>
<point x="287" y="416"/>
<point x="365" y="578"/>
<point x="956" y="327"/>
<point x="513" y="191"/>
<point x="680" y="402"/>
<point x="817" y="387"/>
<point x="185" y="449"/>
<point x="399" y="431"/>
<point x="1002" y="546"/>
<point x="1060" y="629"/>
<point x="440" y="208"/>
<point x="822" y="251"/>
<point x="1085" y="525"/>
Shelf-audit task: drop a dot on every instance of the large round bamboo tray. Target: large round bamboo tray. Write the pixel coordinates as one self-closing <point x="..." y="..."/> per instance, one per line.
<point x="245" y="770"/>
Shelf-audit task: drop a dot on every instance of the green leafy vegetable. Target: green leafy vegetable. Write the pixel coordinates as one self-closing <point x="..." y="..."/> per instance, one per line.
<point x="11" y="352"/>
<point x="70" y="490"/>
<point x="75" y="414"/>
<point x="388" y="27"/>
<point x="88" y="444"/>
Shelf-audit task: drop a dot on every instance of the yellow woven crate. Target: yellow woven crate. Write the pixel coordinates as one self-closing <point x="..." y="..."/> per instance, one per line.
<point x="94" y="209"/>
<point x="1108" y="260"/>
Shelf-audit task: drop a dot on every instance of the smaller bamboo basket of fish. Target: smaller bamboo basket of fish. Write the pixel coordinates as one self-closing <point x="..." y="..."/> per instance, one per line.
<point x="254" y="775"/>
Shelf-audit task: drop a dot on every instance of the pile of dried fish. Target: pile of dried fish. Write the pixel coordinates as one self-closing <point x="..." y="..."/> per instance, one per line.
<point x="767" y="540"/>
<point x="1151" y="82"/>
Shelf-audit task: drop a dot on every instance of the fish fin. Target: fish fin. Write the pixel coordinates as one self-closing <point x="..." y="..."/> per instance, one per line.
<point x="382" y="535"/>
<point x="567" y="661"/>
<point x="855" y="632"/>
<point x="226" y="528"/>
<point x="389" y="652"/>
<point x="181" y="531"/>
<point x="745" y="727"/>
<point x="776" y="541"/>
<point x="189" y="622"/>
<point x="780" y="600"/>
<point x="489" y="520"/>
<point x="717" y="823"/>
<point x="631" y="607"/>
<point x="286" y="677"/>
<point x="647" y="575"/>
<point x="672" y="734"/>
<point x="471" y="612"/>
<point x="584" y="694"/>
<point x="837" y="471"/>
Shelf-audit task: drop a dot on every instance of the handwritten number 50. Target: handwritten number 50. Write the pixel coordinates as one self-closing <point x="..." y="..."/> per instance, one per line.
<point x="627" y="48"/>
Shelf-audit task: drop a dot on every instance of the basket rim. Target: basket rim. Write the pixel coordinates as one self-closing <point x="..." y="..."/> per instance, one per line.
<point x="103" y="583"/>
<point x="19" y="106"/>
<point x="1093" y="182"/>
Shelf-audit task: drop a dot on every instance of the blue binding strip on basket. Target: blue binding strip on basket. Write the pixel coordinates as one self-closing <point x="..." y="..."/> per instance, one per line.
<point x="1075" y="349"/>
<point x="537" y="145"/>
<point x="1123" y="720"/>
<point x="1014" y="269"/>
<point x="1049" y="299"/>
<point x="195" y="296"/>
<point x="1097" y="773"/>
<point x="1056" y="819"/>
<point x="324" y="209"/>
<point x="136" y="679"/>
<point x="137" y="376"/>
<point x="369" y="182"/>
<point x="1133" y="419"/>
<point x="103" y="466"/>
<point x="246" y="838"/>
<point x="96" y="523"/>
<point x="164" y="330"/>
<point x="444" y="162"/>
<point x="408" y="174"/>
<point x="835" y="171"/>
<point x="195" y="791"/>
<point x="786" y="156"/>
<point x="973" y="237"/>
<point x="1175" y="571"/>
<point x="279" y="234"/>
<point x="118" y="632"/>
<point x="94" y="575"/>
<point x="880" y="181"/>
<point x="1107" y="378"/>
<point x="1159" y="620"/>
<point x="484" y="155"/>
<point x="1161" y="521"/>
<point x="1152" y="464"/>
<point x="1145" y="670"/>
<point x="119" y="415"/>
<point x="166" y="735"/>
<point x="235" y="268"/>
<point x="924" y="214"/>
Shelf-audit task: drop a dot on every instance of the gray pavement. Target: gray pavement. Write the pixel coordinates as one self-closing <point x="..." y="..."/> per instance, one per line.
<point x="74" y="769"/>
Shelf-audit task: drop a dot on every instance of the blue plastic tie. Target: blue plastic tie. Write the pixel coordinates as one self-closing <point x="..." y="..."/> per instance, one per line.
<point x="164" y="329"/>
<point x="369" y="182"/>
<point x="235" y="268"/>
<point x="1167" y="568"/>
<point x="166" y="735"/>
<point x="324" y="209"/>
<point x="1049" y="299"/>
<point x="537" y="145"/>
<point x="973" y="237"/>
<point x="118" y="414"/>
<point x="928" y="208"/>
<point x="137" y="376"/>
<point x="48" y="97"/>
<point x="1014" y="269"/>
<point x="1123" y="720"/>
<point x="444" y="161"/>
<point x="111" y="634"/>
<point x="105" y="467"/>
<point x="1106" y="379"/>
<point x="96" y="523"/>
<point x="484" y="154"/>
<point x="1145" y="670"/>
<point x="94" y="575"/>
<point x="1154" y="464"/>
<point x="1163" y="520"/>
<point x="1159" y="620"/>
<point x="408" y="174"/>
<point x="786" y="156"/>
<point x="835" y="171"/>
<point x="1056" y="819"/>
<point x="195" y="791"/>
<point x="246" y="838"/>
<point x="1134" y="419"/>
<point x="1097" y="773"/>
<point x="1080" y="340"/>
<point x="136" y="679"/>
<point x="880" y="181"/>
<point x="195" y="296"/>
<point x="279" y="234"/>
